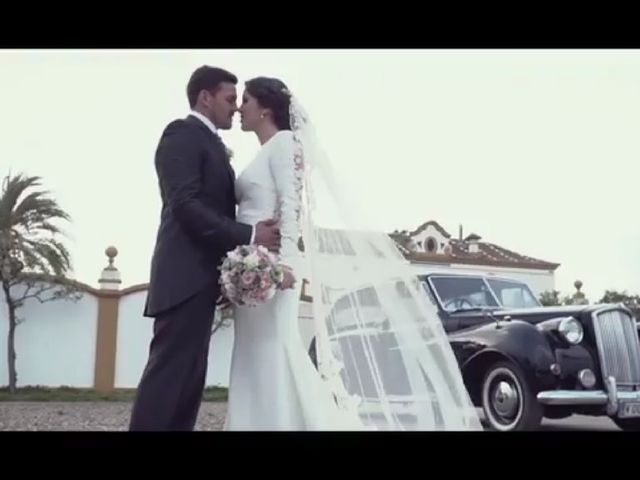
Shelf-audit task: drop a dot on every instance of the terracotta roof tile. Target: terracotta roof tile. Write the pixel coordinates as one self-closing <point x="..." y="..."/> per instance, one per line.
<point x="488" y="254"/>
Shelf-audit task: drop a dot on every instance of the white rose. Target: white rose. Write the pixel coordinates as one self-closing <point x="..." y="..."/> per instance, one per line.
<point x="234" y="256"/>
<point x="252" y="260"/>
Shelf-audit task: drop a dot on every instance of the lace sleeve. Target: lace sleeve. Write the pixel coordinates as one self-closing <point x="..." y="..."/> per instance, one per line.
<point x="287" y="168"/>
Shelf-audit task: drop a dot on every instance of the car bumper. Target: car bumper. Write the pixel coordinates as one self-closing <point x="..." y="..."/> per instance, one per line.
<point x="612" y="398"/>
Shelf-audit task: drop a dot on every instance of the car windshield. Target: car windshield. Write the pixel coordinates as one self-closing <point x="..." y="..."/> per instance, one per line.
<point x="474" y="293"/>
<point x="463" y="293"/>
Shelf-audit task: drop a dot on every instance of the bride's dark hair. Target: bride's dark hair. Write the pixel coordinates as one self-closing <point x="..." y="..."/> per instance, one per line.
<point x="272" y="93"/>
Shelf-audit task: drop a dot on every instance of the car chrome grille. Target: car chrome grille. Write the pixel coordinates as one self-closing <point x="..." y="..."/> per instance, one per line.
<point x="618" y="346"/>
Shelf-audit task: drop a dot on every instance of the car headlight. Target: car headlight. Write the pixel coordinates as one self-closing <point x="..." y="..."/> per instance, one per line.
<point x="571" y="330"/>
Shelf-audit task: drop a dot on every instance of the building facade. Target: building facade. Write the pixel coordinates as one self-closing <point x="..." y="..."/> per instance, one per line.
<point x="430" y="248"/>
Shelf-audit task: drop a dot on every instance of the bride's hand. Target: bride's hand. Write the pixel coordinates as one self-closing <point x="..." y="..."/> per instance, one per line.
<point x="289" y="280"/>
<point x="223" y="303"/>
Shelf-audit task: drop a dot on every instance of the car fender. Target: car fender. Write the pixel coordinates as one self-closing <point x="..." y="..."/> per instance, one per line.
<point x="516" y="341"/>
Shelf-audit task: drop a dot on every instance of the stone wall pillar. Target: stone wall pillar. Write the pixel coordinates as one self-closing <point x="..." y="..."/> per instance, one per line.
<point x="107" y="331"/>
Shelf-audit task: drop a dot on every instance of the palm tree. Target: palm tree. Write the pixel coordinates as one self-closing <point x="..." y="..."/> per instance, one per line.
<point x="33" y="263"/>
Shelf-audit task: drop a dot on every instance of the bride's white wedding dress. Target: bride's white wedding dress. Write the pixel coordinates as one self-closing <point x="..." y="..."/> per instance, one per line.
<point x="273" y="383"/>
<point x="380" y="342"/>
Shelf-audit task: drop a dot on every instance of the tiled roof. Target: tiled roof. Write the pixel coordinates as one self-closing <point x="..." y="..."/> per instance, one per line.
<point x="458" y="252"/>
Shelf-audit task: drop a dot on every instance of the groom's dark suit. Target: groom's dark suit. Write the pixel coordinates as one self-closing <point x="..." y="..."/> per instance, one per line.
<point x="197" y="227"/>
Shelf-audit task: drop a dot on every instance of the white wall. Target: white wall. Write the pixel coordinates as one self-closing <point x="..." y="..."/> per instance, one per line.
<point x="55" y="345"/>
<point x="134" y="335"/>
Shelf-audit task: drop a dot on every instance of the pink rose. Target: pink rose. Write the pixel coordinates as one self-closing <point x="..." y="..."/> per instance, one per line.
<point x="265" y="280"/>
<point x="248" y="278"/>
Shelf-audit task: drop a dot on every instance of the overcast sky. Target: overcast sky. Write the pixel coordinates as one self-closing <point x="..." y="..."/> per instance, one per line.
<point x="536" y="151"/>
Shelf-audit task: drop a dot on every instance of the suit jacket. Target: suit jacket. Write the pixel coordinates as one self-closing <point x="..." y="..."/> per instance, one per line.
<point x="197" y="223"/>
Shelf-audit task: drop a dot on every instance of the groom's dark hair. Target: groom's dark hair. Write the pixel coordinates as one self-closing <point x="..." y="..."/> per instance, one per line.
<point x="207" y="78"/>
<point x="272" y="93"/>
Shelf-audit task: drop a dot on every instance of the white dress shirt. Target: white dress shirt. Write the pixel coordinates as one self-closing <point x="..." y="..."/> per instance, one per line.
<point x="205" y="120"/>
<point x="213" y="129"/>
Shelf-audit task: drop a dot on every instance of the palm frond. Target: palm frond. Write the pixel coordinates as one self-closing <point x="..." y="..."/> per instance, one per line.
<point x="28" y="228"/>
<point x="36" y="207"/>
<point x="33" y="262"/>
<point x="12" y="188"/>
<point x="51" y="229"/>
<point x="52" y="257"/>
<point x="38" y="211"/>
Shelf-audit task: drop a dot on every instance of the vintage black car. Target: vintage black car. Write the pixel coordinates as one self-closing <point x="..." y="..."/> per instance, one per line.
<point x="521" y="361"/>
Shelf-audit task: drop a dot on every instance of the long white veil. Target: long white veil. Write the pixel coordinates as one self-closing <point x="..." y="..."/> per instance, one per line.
<point x="378" y="340"/>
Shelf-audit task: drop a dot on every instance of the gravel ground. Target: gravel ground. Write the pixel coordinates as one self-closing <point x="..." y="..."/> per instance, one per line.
<point x="114" y="416"/>
<point x="89" y="416"/>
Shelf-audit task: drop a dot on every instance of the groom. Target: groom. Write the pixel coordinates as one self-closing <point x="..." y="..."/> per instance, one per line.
<point x="197" y="228"/>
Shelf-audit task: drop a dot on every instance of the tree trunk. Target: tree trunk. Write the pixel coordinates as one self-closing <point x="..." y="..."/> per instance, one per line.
<point x="11" y="349"/>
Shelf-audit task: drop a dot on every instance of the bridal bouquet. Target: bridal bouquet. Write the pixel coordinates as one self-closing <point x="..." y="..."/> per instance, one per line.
<point x="250" y="275"/>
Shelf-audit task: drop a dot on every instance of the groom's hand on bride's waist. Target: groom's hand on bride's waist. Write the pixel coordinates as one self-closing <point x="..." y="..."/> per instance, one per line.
<point x="267" y="234"/>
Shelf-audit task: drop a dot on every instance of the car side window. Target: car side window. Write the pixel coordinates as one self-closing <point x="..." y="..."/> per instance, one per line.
<point x="513" y="295"/>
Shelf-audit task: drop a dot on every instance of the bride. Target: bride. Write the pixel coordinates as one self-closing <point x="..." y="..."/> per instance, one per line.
<point x="383" y="361"/>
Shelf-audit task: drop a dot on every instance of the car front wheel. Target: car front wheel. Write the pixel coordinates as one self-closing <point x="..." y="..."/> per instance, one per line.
<point x="507" y="400"/>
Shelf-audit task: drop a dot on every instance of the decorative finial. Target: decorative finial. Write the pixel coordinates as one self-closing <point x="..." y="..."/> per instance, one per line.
<point x="110" y="278"/>
<point x="111" y="252"/>
<point x="579" y="298"/>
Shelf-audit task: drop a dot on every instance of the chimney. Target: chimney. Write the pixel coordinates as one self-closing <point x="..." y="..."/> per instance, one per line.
<point x="460" y="233"/>
<point x="473" y="241"/>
